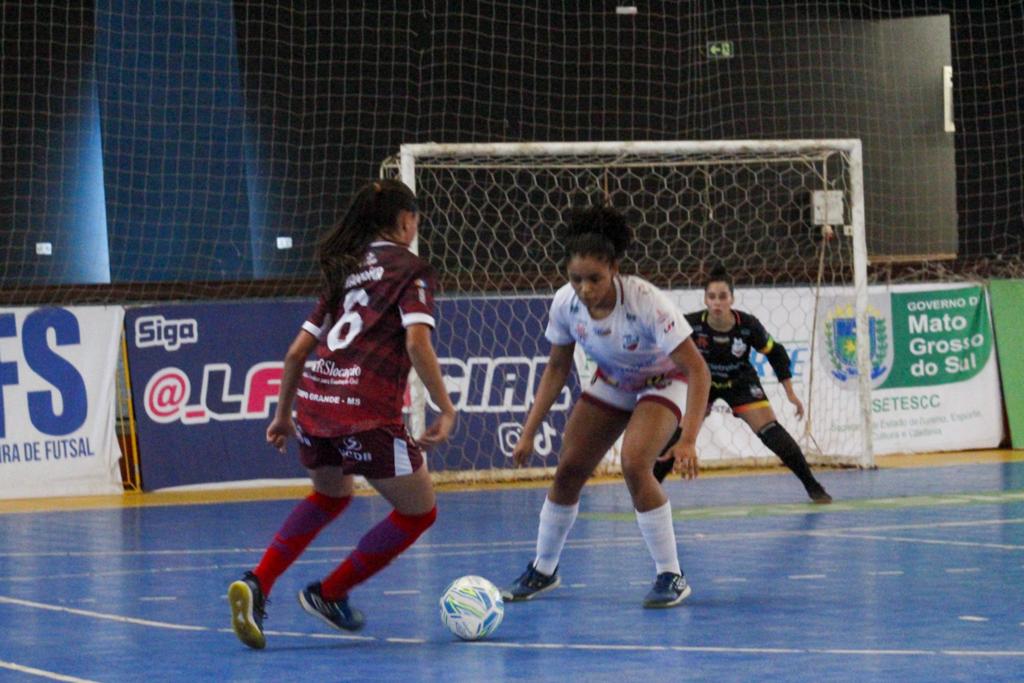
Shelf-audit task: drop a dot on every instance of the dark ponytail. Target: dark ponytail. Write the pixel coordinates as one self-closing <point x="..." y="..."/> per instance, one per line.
<point x="719" y="274"/>
<point x="599" y="231"/>
<point x="373" y="212"/>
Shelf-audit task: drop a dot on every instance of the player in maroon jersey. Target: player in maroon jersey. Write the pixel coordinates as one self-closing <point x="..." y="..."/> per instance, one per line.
<point x="372" y="323"/>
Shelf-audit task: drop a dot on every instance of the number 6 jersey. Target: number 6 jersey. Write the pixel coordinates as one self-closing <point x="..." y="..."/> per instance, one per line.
<point x="359" y="377"/>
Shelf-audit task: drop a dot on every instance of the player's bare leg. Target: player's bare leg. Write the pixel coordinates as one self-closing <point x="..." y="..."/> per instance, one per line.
<point x="591" y="431"/>
<point x="652" y="424"/>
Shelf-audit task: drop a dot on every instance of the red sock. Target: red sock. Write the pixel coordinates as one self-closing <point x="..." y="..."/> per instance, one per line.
<point x="303" y="524"/>
<point x="376" y="549"/>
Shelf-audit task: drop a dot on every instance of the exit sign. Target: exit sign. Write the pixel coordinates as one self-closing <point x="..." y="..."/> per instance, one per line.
<point x="720" y="49"/>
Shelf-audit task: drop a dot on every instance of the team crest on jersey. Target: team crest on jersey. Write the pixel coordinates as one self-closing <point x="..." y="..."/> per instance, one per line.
<point x="739" y="348"/>
<point x="630" y="342"/>
<point x="370" y="260"/>
<point x="581" y="331"/>
<point x="757" y="392"/>
<point x="603" y="331"/>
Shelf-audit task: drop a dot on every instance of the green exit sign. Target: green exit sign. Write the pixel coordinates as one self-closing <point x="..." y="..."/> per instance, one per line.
<point x="720" y="49"/>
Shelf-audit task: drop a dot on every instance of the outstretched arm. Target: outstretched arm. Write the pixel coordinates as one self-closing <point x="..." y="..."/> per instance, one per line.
<point x="551" y="382"/>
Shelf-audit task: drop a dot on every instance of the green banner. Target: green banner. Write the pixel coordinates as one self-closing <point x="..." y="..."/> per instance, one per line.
<point x="1008" y="314"/>
<point x="939" y="337"/>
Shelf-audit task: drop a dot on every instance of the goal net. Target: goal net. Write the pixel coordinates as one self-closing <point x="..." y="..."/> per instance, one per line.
<point x="786" y="218"/>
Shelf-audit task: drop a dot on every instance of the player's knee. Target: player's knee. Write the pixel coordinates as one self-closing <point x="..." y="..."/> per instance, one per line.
<point x="775" y="437"/>
<point x="571" y="474"/>
<point x="414" y="525"/>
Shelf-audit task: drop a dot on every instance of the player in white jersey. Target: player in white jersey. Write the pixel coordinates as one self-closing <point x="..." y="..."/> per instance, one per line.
<point x="651" y="377"/>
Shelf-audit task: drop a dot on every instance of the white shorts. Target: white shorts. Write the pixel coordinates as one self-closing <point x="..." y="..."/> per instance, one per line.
<point x="671" y="393"/>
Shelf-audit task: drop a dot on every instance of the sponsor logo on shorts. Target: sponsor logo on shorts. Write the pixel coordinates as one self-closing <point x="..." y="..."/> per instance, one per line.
<point x="353" y="450"/>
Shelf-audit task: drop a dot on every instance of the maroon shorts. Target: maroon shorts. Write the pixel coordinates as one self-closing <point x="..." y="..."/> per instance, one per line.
<point x="379" y="453"/>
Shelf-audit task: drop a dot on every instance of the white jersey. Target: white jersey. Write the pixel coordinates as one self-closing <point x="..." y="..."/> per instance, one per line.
<point x="631" y="346"/>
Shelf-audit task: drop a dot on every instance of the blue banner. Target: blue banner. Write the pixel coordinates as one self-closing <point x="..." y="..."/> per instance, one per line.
<point x="205" y="379"/>
<point x="492" y="353"/>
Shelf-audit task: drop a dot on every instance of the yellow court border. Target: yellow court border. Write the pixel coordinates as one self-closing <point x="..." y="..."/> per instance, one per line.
<point x="131" y="499"/>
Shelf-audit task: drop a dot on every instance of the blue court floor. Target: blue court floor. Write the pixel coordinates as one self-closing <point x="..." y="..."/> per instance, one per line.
<point x="912" y="575"/>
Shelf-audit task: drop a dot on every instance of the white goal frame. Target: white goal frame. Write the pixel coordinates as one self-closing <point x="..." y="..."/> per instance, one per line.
<point x="410" y="154"/>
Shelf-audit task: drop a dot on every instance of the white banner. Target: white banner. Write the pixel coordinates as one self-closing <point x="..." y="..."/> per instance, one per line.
<point x="934" y="378"/>
<point x="57" y="381"/>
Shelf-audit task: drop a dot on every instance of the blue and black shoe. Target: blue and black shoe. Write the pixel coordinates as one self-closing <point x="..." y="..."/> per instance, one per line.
<point x="248" y="610"/>
<point x="531" y="584"/>
<point x="669" y="590"/>
<point x="336" y="614"/>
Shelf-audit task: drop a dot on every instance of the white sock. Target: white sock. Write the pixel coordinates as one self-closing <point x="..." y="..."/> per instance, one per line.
<point x="660" y="536"/>
<point x="552" y="530"/>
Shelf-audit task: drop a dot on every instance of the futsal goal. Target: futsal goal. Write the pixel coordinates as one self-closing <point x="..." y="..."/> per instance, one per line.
<point x="785" y="217"/>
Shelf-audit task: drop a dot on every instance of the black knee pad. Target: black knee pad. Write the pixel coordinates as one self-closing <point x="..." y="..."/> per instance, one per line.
<point x="774" y="436"/>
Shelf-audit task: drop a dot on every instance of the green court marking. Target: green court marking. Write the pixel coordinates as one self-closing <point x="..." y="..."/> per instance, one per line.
<point x="858" y="505"/>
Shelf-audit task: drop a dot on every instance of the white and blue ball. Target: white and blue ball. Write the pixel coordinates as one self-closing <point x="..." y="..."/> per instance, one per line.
<point x="471" y="607"/>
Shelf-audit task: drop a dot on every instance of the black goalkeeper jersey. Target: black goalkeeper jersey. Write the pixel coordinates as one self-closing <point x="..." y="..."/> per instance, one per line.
<point x="728" y="353"/>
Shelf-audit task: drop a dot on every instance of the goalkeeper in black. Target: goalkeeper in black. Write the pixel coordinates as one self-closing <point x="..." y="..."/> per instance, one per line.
<point x="725" y="337"/>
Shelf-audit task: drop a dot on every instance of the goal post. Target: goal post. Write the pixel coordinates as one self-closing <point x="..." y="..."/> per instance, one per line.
<point x="785" y="217"/>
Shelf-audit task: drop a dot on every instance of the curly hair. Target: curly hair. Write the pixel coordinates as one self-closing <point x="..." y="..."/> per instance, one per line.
<point x="598" y="231"/>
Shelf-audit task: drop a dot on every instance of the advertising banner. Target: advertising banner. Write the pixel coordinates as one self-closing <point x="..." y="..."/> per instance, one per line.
<point x="934" y="375"/>
<point x="58" y="368"/>
<point x="206" y="378"/>
<point x="493" y="353"/>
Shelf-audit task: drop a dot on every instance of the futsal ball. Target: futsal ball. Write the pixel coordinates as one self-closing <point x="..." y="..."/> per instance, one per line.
<point x="471" y="607"/>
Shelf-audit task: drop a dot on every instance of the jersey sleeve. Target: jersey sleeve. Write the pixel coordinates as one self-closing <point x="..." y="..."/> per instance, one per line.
<point x="416" y="302"/>
<point x="558" y="332"/>
<point x="775" y="352"/>
<point x="318" y="319"/>
<point x="669" y="324"/>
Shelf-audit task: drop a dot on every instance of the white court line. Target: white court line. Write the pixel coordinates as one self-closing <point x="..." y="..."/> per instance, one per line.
<point x="747" y="650"/>
<point x="968" y="617"/>
<point x="403" y="592"/>
<point x="428" y="550"/>
<point x="984" y="653"/>
<point x="963" y="570"/>
<point x="806" y="577"/>
<point x="911" y="539"/>
<point x="485" y="547"/>
<point x="157" y="598"/>
<point x="99" y="615"/>
<point x="42" y="674"/>
<point x="608" y="647"/>
<point x="172" y="626"/>
<point x="890" y="572"/>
